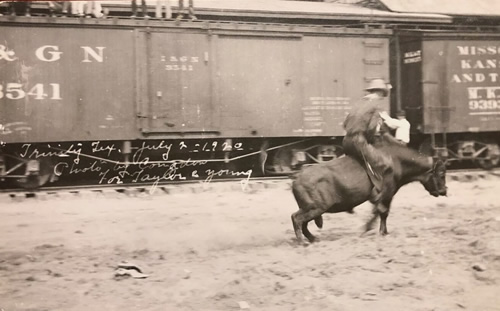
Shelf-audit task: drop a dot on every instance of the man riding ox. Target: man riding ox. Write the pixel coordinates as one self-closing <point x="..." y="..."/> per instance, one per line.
<point x="375" y="167"/>
<point x="362" y="125"/>
<point x="342" y="184"/>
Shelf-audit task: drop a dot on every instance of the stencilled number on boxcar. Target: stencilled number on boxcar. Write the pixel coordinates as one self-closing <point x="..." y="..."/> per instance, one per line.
<point x="179" y="67"/>
<point x="180" y="63"/>
<point x="16" y="91"/>
<point x="484" y="104"/>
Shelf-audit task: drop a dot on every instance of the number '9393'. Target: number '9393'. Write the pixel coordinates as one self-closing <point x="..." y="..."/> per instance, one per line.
<point x="484" y="104"/>
<point x="38" y="91"/>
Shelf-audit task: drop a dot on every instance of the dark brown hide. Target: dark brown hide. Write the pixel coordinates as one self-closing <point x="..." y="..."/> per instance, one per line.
<point x="342" y="184"/>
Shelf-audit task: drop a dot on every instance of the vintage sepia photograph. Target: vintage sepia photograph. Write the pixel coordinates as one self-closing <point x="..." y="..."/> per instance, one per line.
<point x="270" y="155"/>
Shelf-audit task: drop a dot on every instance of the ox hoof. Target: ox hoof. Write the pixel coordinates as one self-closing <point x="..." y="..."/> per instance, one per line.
<point x="367" y="233"/>
<point x="313" y="240"/>
<point x="301" y="243"/>
<point x="369" y="226"/>
<point x="366" y="230"/>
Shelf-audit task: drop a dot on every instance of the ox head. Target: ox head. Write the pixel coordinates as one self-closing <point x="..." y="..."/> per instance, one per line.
<point x="434" y="180"/>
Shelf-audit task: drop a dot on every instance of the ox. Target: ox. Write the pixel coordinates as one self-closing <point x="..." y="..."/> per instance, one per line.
<point x="342" y="184"/>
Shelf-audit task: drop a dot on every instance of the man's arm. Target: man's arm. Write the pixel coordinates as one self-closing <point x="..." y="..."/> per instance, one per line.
<point x="392" y="123"/>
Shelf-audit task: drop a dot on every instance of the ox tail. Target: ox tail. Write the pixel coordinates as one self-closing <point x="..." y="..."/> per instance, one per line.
<point x="319" y="221"/>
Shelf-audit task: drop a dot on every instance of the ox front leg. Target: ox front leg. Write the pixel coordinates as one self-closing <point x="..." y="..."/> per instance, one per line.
<point x="369" y="224"/>
<point x="297" y="225"/>
<point x="383" y="223"/>
<point x="383" y="210"/>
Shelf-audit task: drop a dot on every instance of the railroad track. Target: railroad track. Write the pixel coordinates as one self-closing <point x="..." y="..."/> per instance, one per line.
<point x="472" y="174"/>
<point x="192" y="187"/>
<point x="147" y="189"/>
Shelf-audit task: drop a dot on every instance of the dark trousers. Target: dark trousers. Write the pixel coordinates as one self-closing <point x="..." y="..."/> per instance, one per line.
<point x="190" y="8"/>
<point x="17" y="7"/>
<point x="143" y="6"/>
<point x="181" y="4"/>
<point x="357" y="146"/>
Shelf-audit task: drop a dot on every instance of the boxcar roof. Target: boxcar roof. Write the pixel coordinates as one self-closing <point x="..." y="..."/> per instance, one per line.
<point x="449" y="7"/>
<point x="299" y="9"/>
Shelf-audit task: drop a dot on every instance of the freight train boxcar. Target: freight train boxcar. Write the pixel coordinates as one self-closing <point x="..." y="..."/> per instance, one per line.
<point x="450" y="86"/>
<point x="93" y="92"/>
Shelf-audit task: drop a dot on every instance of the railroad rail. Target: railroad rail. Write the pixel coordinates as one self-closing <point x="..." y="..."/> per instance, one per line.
<point x="193" y="187"/>
<point x="148" y="189"/>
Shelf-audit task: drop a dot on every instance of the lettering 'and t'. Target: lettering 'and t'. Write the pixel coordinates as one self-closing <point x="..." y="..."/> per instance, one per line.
<point x="479" y="70"/>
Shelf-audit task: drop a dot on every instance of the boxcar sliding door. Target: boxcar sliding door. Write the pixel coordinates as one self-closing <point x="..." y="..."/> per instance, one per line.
<point x="258" y="83"/>
<point x="174" y="88"/>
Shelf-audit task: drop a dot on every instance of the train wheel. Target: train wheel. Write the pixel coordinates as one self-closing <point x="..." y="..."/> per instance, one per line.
<point x="426" y="147"/>
<point x="44" y="175"/>
<point x="329" y="152"/>
<point x="282" y="161"/>
<point x="490" y="157"/>
<point x="439" y="149"/>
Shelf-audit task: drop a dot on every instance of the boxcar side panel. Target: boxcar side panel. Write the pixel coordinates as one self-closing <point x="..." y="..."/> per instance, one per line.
<point x="258" y="84"/>
<point x="335" y="72"/>
<point x="466" y="95"/>
<point x="177" y="82"/>
<point x="64" y="84"/>
<point x="294" y="86"/>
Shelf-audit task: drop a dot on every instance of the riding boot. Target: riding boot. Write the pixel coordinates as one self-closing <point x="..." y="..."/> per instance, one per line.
<point x="12" y="9"/>
<point x="191" y="14"/>
<point x="134" y="9"/>
<point x="375" y="196"/>
<point x="180" y="14"/>
<point x="27" y="12"/>
<point x="144" y="9"/>
<point x="51" y="12"/>
<point x="384" y="190"/>
<point x="388" y="187"/>
<point x="65" y="9"/>
<point x="191" y="11"/>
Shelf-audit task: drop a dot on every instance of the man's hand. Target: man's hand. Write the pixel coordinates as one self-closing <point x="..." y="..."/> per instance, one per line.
<point x="384" y="115"/>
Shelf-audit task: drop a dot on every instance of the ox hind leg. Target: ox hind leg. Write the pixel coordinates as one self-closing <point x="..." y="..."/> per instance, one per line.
<point x="383" y="209"/>
<point x="380" y="209"/>
<point x="301" y="218"/>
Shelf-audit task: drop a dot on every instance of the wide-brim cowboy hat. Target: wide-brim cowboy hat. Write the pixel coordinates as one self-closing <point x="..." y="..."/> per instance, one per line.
<point x="378" y="84"/>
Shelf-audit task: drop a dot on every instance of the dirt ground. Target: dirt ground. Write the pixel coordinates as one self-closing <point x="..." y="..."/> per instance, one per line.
<point x="231" y="250"/>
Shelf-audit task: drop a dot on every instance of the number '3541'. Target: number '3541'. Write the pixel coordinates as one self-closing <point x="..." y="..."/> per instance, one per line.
<point x="38" y="91"/>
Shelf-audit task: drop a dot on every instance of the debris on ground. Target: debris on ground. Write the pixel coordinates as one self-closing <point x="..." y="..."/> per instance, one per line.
<point x="243" y="305"/>
<point x="127" y="269"/>
<point x="479" y="267"/>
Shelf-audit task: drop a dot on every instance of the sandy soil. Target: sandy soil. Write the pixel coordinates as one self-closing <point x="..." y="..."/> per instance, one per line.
<point x="213" y="250"/>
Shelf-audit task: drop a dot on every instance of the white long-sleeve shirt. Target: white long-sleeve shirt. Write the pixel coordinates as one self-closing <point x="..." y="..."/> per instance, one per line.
<point x="402" y="127"/>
